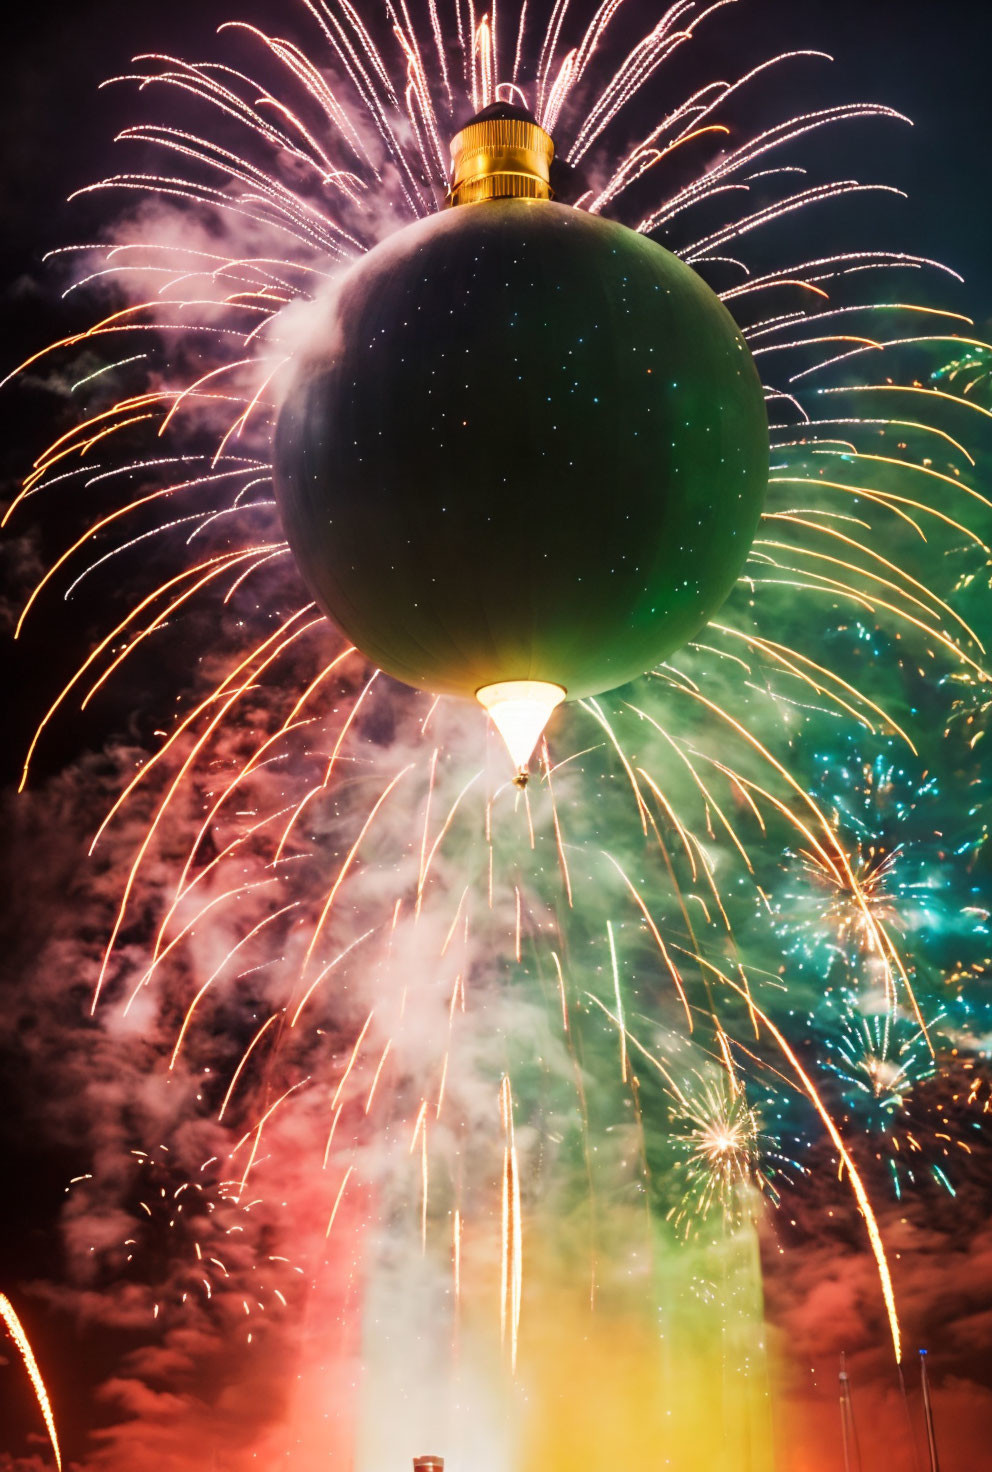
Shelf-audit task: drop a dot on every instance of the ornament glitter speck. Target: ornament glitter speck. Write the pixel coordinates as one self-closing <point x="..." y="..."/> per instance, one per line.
<point x="531" y="450"/>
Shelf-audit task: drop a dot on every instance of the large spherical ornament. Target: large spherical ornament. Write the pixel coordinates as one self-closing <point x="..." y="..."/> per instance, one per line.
<point x="532" y="446"/>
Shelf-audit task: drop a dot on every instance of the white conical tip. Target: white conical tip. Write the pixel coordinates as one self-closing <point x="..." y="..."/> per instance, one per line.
<point x="520" y="710"/>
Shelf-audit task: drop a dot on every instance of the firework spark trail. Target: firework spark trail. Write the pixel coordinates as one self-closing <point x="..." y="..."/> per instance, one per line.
<point x="16" y="1331"/>
<point x="619" y="1001"/>
<point x="864" y="1202"/>
<point x="511" y="1257"/>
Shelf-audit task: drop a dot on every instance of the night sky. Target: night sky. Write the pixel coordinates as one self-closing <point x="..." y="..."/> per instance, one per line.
<point x="929" y="61"/>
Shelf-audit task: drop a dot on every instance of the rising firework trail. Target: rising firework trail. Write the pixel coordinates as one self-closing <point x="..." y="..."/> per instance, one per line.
<point x="849" y="1435"/>
<point x="928" y="1414"/>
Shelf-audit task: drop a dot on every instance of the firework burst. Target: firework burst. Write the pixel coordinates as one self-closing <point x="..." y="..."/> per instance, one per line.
<point x="879" y="1060"/>
<point x="723" y="1156"/>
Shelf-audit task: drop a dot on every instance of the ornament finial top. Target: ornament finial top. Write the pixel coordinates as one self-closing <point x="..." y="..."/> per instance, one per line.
<point x="501" y="153"/>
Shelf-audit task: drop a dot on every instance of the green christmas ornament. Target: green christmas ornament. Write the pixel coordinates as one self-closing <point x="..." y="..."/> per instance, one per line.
<point x="532" y="449"/>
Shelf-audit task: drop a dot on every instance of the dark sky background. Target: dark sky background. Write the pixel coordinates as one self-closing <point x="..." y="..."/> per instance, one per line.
<point x="930" y="60"/>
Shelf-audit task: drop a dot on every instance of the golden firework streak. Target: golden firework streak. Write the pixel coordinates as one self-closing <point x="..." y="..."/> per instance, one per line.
<point x="861" y="1195"/>
<point x="16" y="1332"/>
<point x="511" y="1284"/>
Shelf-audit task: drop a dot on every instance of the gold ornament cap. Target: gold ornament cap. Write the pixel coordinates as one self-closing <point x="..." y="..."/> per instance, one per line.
<point x="501" y="154"/>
